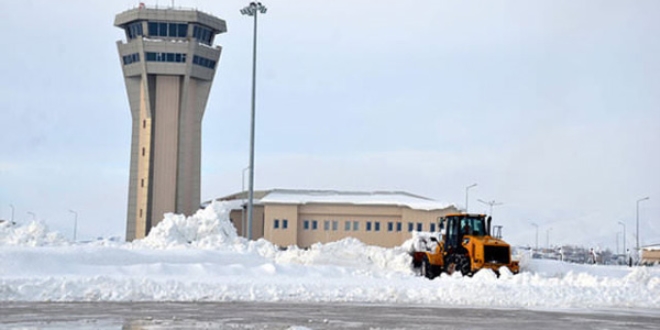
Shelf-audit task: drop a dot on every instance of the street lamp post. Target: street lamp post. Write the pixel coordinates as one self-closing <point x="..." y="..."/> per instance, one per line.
<point x="467" y="189"/>
<point x="34" y="216"/>
<point x="12" y="213"/>
<point x="537" y="235"/>
<point x="491" y="204"/>
<point x="547" y="237"/>
<point x="637" y="217"/>
<point x="252" y="10"/>
<point x="624" y="236"/>
<point x="243" y="201"/>
<point x="75" y="224"/>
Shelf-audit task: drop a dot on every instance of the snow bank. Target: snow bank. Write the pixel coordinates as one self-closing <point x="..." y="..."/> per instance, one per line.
<point x="208" y="228"/>
<point x="31" y="234"/>
<point x="200" y="258"/>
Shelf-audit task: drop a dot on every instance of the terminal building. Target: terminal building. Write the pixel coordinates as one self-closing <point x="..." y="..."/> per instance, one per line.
<point x="169" y="61"/>
<point x="305" y="217"/>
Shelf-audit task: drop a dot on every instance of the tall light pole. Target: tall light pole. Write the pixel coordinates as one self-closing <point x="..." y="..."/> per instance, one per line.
<point x="547" y="237"/>
<point x="624" y="236"/>
<point x="12" y="213"/>
<point x="491" y="204"/>
<point x="75" y="224"/>
<point x="637" y="217"/>
<point x="537" y="235"/>
<point x="243" y="201"/>
<point x="253" y="9"/>
<point x="467" y="189"/>
<point x="34" y="216"/>
<point x="617" y="242"/>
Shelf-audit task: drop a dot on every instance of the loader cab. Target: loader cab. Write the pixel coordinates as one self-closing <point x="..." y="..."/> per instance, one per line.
<point x="457" y="226"/>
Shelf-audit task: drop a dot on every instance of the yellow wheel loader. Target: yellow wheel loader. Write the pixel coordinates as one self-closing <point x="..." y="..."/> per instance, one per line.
<point x="465" y="244"/>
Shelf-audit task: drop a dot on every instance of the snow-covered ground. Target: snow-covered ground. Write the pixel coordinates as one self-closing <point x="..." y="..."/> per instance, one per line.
<point x="200" y="258"/>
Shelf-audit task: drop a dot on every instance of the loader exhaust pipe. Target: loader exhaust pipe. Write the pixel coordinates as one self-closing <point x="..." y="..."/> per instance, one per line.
<point x="488" y="221"/>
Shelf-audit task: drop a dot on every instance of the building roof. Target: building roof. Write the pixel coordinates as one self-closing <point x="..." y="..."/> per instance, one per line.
<point x="170" y="15"/>
<point x="394" y="198"/>
<point x="652" y="247"/>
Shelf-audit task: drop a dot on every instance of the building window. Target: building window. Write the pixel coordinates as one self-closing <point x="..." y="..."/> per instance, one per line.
<point x="377" y="226"/>
<point x="390" y="226"/>
<point x="419" y="226"/>
<point x="315" y="224"/>
<point x="142" y="183"/>
<point x="398" y="226"/>
<point x="144" y="123"/>
<point x="368" y="225"/>
<point x="411" y="226"/>
<point x="285" y="223"/>
<point x="335" y="225"/>
<point x="203" y="61"/>
<point x="276" y="223"/>
<point x="134" y="30"/>
<point x="167" y="57"/>
<point x="140" y="213"/>
<point x="432" y="227"/>
<point x="131" y="58"/>
<point x="162" y="29"/>
<point x="356" y="226"/>
<point x="143" y="151"/>
<point x="203" y="34"/>
<point x="306" y="224"/>
<point x="347" y="225"/>
<point x="167" y="29"/>
<point x="326" y="225"/>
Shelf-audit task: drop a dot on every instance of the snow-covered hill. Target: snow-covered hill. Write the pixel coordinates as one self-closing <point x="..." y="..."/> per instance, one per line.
<point x="200" y="258"/>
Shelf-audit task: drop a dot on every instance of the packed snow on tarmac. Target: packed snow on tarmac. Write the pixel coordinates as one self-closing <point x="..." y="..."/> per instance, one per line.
<point x="200" y="258"/>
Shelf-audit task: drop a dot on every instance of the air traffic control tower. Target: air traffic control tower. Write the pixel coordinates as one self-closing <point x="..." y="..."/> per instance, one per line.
<point x="169" y="62"/>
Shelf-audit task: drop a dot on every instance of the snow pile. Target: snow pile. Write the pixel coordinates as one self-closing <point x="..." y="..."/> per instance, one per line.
<point x="211" y="228"/>
<point x="200" y="258"/>
<point x="208" y="228"/>
<point x="31" y="234"/>
<point x="349" y="252"/>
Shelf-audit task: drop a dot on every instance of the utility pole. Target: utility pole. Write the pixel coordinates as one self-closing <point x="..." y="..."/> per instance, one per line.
<point x="75" y="224"/>
<point x="253" y="10"/>
<point x="537" y="235"/>
<point x="624" y="236"/>
<point x="467" y="189"/>
<point x="637" y="217"/>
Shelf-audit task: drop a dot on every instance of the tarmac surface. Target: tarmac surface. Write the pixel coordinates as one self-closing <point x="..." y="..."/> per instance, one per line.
<point x="299" y="316"/>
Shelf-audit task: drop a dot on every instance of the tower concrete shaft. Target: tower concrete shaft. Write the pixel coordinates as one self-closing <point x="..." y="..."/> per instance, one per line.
<point x="168" y="61"/>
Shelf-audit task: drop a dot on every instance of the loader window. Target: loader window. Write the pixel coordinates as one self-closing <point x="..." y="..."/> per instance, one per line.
<point x="473" y="226"/>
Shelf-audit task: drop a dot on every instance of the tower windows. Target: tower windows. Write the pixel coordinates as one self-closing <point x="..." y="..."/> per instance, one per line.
<point x="142" y="183"/>
<point x="142" y="151"/>
<point x="166" y="57"/>
<point x="204" y="35"/>
<point x="203" y="61"/>
<point x="144" y="123"/>
<point x="167" y="29"/>
<point x="134" y="30"/>
<point x="131" y="58"/>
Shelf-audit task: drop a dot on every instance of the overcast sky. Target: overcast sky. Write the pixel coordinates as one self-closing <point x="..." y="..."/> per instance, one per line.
<point x="551" y="107"/>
